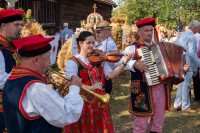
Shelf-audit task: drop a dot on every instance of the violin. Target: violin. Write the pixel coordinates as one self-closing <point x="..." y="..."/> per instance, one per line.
<point x="98" y="56"/>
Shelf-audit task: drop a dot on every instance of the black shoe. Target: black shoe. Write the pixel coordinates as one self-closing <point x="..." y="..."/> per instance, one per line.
<point x="196" y="100"/>
<point x="177" y="109"/>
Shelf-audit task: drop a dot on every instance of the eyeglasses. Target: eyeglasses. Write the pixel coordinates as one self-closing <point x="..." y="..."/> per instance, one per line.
<point x="98" y="31"/>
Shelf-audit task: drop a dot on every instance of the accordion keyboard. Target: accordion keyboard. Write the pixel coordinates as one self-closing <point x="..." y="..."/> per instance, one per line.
<point x="154" y="61"/>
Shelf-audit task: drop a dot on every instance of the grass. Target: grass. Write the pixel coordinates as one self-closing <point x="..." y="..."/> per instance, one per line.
<point x="175" y="122"/>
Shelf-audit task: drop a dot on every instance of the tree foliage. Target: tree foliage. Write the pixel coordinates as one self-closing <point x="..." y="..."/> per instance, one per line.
<point x="170" y="13"/>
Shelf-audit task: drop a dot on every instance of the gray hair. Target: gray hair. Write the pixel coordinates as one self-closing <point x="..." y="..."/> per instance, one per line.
<point x="194" y="23"/>
<point x="65" y="24"/>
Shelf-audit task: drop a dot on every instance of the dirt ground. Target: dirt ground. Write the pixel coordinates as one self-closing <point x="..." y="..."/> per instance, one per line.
<point x="175" y="122"/>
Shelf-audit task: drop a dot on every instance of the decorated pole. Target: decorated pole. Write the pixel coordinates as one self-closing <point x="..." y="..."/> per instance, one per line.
<point x="11" y="3"/>
<point x="119" y="37"/>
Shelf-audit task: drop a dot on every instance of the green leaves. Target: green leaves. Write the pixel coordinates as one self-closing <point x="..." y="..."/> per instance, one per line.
<point x="170" y="13"/>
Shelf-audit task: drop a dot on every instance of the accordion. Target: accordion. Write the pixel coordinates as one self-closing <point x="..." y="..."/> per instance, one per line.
<point x="165" y="63"/>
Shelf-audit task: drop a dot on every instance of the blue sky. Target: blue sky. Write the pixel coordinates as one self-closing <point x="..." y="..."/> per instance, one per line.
<point x="116" y="1"/>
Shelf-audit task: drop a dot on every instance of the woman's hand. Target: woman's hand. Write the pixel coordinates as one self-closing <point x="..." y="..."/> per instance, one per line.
<point x="97" y="86"/>
<point x="128" y="56"/>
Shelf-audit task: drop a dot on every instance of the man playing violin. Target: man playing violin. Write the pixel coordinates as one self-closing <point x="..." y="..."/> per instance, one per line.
<point x="103" y="37"/>
<point x="106" y="44"/>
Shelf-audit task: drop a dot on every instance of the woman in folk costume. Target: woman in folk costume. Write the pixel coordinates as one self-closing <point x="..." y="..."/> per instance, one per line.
<point x="94" y="119"/>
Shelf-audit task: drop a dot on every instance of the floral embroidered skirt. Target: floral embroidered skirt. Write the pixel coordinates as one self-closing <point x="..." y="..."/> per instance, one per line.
<point x="94" y="119"/>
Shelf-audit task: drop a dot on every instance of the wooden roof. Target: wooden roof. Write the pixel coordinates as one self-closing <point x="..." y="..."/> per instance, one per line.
<point x="109" y="2"/>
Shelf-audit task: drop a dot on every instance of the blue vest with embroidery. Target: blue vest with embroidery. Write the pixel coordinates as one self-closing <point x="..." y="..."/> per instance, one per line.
<point x="15" y="121"/>
<point x="9" y="63"/>
<point x="8" y="58"/>
<point x="141" y="100"/>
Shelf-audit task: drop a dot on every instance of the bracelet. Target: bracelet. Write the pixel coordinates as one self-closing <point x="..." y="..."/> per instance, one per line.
<point x="124" y="64"/>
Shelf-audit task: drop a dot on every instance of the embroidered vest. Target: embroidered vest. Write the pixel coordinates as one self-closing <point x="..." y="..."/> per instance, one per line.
<point x="8" y="54"/>
<point x="8" y="58"/>
<point x="141" y="100"/>
<point x="141" y="103"/>
<point x="87" y="76"/>
<point x="15" y="117"/>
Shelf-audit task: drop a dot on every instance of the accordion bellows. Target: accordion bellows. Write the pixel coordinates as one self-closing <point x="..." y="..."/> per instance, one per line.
<point x="165" y="63"/>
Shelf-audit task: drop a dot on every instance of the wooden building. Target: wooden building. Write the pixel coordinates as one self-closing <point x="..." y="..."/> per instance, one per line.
<point x="53" y="13"/>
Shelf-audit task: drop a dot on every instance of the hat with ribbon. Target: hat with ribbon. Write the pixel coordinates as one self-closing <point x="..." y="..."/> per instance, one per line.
<point x="146" y="21"/>
<point x="10" y="15"/>
<point x="179" y="28"/>
<point x="32" y="45"/>
<point x="103" y="25"/>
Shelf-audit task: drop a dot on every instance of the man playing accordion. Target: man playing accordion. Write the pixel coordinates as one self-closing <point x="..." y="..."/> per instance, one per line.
<point x="146" y="101"/>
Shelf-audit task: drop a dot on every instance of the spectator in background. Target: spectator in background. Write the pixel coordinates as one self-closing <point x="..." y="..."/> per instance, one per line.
<point x="65" y="34"/>
<point x="186" y="39"/>
<point x="134" y="37"/>
<point x="177" y="31"/>
<point x="58" y="31"/>
<point x="163" y="36"/>
<point x="196" y="77"/>
<point x="186" y="27"/>
<point x="170" y="34"/>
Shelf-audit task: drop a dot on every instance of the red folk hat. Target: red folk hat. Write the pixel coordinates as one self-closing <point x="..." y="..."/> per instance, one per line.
<point x="10" y="15"/>
<point x="32" y="45"/>
<point x="146" y="21"/>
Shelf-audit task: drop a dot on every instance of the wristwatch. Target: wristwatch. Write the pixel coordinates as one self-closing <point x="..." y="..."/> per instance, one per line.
<point x="124" y="64"/>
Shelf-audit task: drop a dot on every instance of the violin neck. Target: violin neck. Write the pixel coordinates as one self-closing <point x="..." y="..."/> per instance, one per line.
<point x="115" y="54"/>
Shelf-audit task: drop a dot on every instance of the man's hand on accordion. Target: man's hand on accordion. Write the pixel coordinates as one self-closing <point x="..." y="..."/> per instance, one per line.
<point x="140" y="65"/>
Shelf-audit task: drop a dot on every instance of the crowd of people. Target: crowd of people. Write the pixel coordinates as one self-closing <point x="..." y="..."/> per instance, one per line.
<point x="169" y="35"/>
<point x="29" y="104"/>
